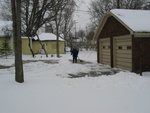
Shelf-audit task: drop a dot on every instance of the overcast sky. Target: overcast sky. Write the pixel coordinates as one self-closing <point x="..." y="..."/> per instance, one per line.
<point x="81" y="15"/>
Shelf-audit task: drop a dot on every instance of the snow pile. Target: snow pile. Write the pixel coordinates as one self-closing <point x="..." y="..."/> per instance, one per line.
<point x="48" y="88"/>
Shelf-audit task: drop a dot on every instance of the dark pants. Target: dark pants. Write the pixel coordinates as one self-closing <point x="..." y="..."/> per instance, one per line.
<point x="74" y="59"/>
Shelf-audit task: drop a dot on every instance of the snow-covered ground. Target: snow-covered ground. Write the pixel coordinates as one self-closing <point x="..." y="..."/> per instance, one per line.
<point x="48" y="88"/>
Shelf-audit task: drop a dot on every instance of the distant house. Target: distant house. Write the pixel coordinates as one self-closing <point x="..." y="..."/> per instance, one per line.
<point x="48" y="41"/>
<point x="123" y="40"/>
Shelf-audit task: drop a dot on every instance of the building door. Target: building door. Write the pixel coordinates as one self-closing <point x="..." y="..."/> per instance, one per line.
<point x="122" y="52"/>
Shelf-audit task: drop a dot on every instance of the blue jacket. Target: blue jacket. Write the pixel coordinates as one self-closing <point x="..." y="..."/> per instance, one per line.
<point x="74" y="52"/>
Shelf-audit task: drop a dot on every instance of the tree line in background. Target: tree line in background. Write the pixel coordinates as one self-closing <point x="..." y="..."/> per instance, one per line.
<point x="98" y="8"/>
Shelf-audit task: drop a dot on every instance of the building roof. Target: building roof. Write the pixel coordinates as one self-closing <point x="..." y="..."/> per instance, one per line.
<point x="136" y="20"/>
<point x="48" y="36"/>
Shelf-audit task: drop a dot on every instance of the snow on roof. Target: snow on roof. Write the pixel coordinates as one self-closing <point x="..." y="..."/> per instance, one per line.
<point x="137" y="20"/>
<point x="5" y="27"/>
<point x="48" y="36"/>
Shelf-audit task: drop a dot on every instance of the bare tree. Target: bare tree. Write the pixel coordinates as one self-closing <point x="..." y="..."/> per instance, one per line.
<point x="118" y="4"/>
<point x="63" y="19"/>
<point x="35" y="14"/>
<point x="134" y="4"/>
<point x="63" y="22"/>
<point x="67" y="22"/>
<point x="58" y="17"/>
<point x="89" y="38"/>
<point x="81" y="35"/>
<point x="99" y="7"/>
<point x="16" y="17"/>
<point x="6" y="13"/>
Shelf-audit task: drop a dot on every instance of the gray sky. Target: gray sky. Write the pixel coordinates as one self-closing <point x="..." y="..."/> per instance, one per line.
<point x="81" y="15"/>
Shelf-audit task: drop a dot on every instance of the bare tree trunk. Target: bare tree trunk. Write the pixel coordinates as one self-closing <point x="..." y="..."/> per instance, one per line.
<point x="16" y="16"/>
<point x="26" y="20"/>
<point x="42" y="45"/>
<point x="29" y="44"/>
<point x="118" y="4"/>
<point x="57" y="41"/>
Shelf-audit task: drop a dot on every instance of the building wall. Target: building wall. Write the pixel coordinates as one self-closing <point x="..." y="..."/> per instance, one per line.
<point x="50" y="47"/>
<point x="37" y="49"/>
<point x="141" y="54"/>
<point x="113" y="28"/>
<point x="25" y="46"/>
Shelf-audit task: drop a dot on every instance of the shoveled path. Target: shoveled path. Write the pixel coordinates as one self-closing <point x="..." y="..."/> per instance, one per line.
<point x="96" y="70"/>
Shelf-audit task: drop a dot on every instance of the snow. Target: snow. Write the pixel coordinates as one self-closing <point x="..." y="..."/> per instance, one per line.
<point x="48" y="36"/>
<point x="48" y="88"/>
<point x="137" y="20"/>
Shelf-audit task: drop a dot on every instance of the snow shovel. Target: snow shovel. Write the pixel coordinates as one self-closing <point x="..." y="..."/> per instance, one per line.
<point x="80" y="59"/>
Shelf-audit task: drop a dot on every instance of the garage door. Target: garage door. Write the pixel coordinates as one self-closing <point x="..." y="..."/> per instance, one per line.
<point x="123" y="53"/>
<point x="104" y="51"/>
